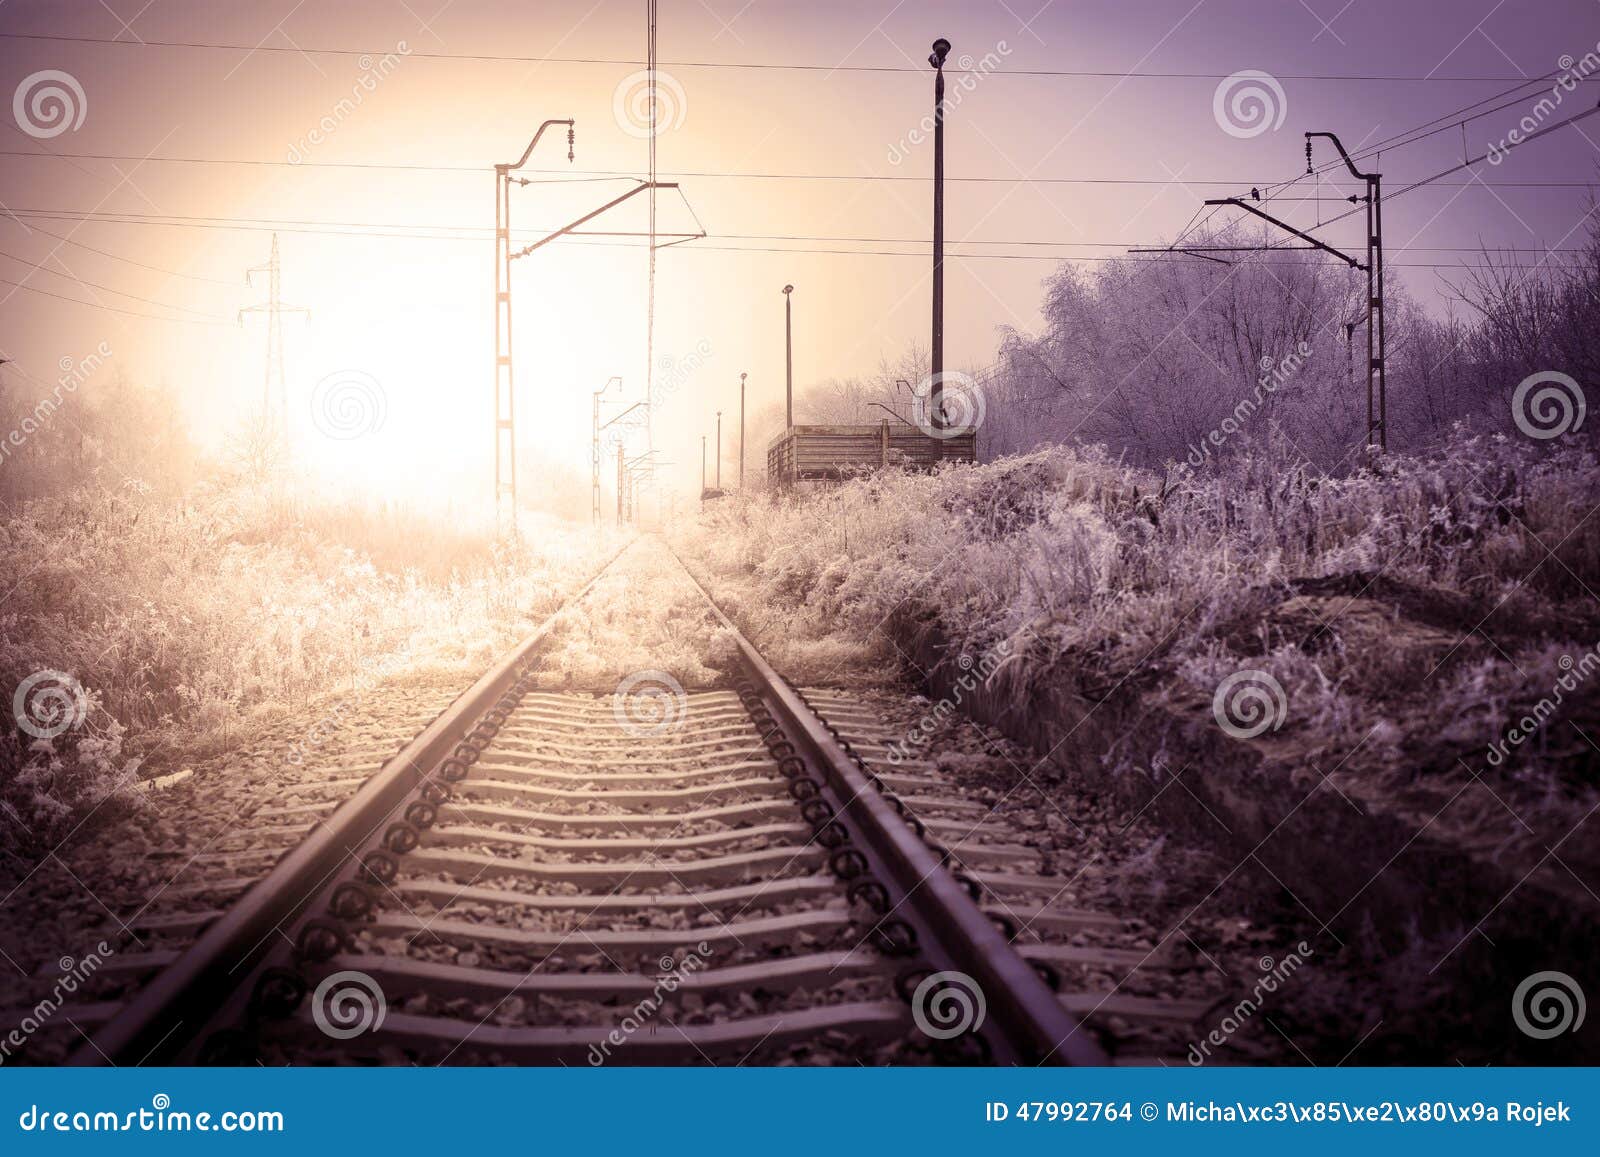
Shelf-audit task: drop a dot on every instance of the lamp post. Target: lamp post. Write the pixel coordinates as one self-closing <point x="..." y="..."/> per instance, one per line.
<point x="941" y="49"/>
<point x="741" y="431"/>
<point x="788" y="358"/>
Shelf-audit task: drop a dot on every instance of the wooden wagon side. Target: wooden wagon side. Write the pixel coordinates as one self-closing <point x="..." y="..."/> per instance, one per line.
<point x="804" y="453"/>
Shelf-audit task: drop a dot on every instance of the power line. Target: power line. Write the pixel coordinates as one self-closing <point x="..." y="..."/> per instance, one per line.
<point x="474" y="234"/>
<point x="923" y="256"/>
<point x="64" y="239"/>
<point x="709" y="174"/>
<point x="759" y="66"/>
<point x="107" y="308"/>
<point x="1454" y="118"/>
<point x="1527" y="138"/>
<point x="603" y="242"/>
<point x="39" y="268"/>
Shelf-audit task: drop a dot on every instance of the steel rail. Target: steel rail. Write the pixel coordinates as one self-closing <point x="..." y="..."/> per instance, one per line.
<point x="1031" y="1026"/>
<point x="150" y="1027"/>
<point x="245" y="972"/>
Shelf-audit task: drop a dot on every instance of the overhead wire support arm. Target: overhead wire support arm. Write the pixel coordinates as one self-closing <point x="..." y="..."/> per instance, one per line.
<point x="624" y="414"/>
<point x="590" y="216"/>
<point x="528" y="152"/>
<point x="1285" y="226"/>
<point x="1343" y="156"/>
<point x="1200" y="253"/>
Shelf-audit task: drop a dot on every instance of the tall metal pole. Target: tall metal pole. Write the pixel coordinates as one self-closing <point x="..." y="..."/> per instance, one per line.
<point x="788" y="359"/>
<point x="941" y="49"/>
<point x="594" y="453"/>
<point x="505" y="480"/>
<point x="1377" y="361"/>
<point x="651" y="7"/>
<point x="505" y="432"/>
<point x="741" y="431"/>
<point x="274" y="410"/>
<point x="274" y="345"/>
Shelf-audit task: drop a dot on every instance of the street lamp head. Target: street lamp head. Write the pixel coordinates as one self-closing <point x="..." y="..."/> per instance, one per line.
<point x="941" y="49"/>
<point x="788" y="289"/>
<point x="742" y="377"/>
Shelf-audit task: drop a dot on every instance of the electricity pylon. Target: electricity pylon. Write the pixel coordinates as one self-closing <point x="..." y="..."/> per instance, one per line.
<point x="274" y="308"/>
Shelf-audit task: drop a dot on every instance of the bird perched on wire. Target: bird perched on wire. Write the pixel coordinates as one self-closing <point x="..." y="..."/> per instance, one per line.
<point x="1255" y="194"/>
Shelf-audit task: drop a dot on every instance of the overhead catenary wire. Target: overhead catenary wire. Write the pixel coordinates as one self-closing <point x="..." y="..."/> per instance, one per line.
<point x="108" y="308"/>
<point x="699" y="174"/>
<point x="145" y="43"/>
<point x="475" y="235"/>
<point x="360" y="229"/>
<point x="40" y="268"/>
<point x="1427" y="129"/>
<point x="66" y="240"/>
<point x="1466" y="164"/>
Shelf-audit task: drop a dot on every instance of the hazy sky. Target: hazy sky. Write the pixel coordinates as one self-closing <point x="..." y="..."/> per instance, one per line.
<point x="776" y="113"/>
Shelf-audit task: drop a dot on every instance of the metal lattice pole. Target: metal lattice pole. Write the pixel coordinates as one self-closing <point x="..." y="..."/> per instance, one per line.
<point x="275" y="416"/>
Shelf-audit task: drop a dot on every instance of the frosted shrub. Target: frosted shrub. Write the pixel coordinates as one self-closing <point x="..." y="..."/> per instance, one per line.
<point x="1100" y="573"/>
<point x="188" y="622"/>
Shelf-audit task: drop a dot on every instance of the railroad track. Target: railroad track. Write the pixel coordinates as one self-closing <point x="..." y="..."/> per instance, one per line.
<point x="736" y="874"/>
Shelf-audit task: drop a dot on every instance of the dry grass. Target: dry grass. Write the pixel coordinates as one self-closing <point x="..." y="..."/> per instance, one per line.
<point x="1416" y="610"/>
<point x="191" y="625"/>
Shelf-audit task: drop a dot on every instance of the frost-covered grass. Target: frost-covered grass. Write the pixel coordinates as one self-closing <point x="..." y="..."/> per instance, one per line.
<point x="643" y="616"/>
<point x="192" y="625"/>
<point x="1415" y="611"/>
